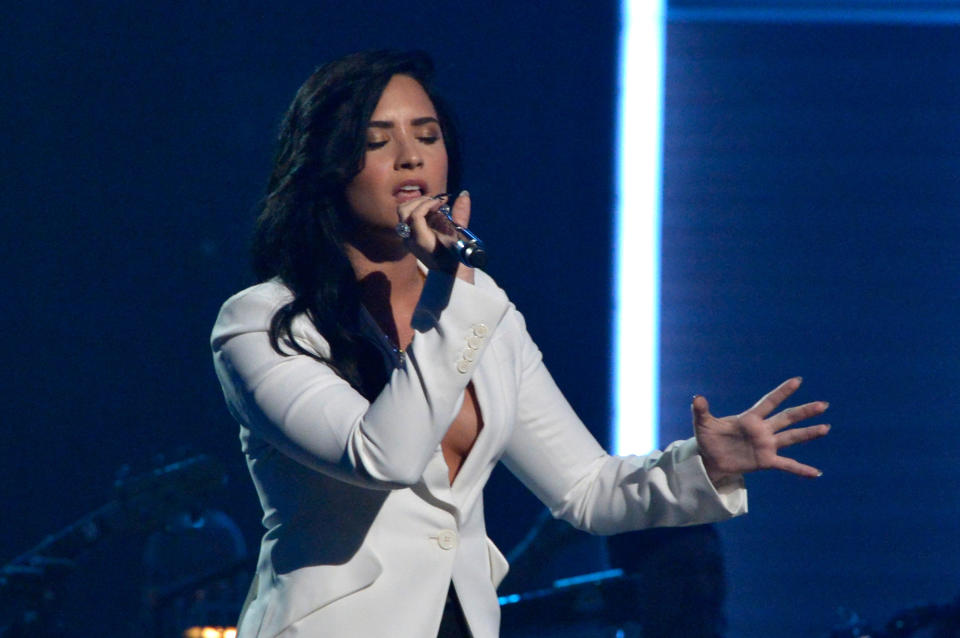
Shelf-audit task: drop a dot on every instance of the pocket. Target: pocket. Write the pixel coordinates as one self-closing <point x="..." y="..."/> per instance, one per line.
<point x="308" y="589"/>
<point x="498" y="564"/>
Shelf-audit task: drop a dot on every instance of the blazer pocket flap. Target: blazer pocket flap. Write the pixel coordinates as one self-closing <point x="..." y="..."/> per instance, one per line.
<point x="306" y="590"/>
<point x="498" y="564"/>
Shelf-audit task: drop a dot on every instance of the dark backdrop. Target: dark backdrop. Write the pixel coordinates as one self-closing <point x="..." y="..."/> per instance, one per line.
<point x="810" y="227"/>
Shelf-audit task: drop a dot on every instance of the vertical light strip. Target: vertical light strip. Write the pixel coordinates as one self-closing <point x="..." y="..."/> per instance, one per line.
<point x="637" y="227"/>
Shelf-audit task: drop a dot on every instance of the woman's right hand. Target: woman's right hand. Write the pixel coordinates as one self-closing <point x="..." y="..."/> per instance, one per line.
<point x="432" y="235"/>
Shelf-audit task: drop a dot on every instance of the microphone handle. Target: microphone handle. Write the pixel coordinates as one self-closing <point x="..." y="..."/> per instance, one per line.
<point x="469" y="248"/>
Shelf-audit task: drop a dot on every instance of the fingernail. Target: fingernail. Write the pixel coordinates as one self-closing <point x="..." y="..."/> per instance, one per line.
<point x="819" y="474"/>
<point x="440" y="195"/>
<point x="826" y="404"/>
<point x="464" y="193"/>
<point x="800" y="379"/>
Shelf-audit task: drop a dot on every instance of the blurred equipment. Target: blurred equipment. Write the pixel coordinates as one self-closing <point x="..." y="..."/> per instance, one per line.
<point x="663" y="583"/>
<point x="210" y="632"/>
<point x="585" y="606"/>
<point x="680" y="580"/>
<point x="196" y="575"/>
<point x="923" y="621"/>
<point x="28" y="584"/>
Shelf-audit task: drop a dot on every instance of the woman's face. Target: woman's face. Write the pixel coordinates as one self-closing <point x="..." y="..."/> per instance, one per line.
<point x="405" y="157"/>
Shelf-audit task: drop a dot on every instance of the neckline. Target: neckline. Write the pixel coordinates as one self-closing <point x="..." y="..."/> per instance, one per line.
<point x="397" y="354"/>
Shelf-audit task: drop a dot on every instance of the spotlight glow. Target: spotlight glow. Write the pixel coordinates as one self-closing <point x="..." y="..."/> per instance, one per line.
<point x="637" y="227"/>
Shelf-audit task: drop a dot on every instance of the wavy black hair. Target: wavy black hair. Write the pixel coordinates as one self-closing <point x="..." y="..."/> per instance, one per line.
<point x="299" y="232"/>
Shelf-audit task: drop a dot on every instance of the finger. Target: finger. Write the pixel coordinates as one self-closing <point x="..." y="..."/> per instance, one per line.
<point x="461" y="209"/>
<point x="700" y="409"/>
<point x="796" y="414"/>
<point x="775" y="397"/>
<point x="419" y="206"/>
<point x="442" y="226"/>
<point x="415" y="214"/>
<point x="795" y="467"/>
<point x="800" y="435"/>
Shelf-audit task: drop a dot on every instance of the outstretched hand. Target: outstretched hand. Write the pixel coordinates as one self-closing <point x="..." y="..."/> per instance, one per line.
<point x="751" y="441"/>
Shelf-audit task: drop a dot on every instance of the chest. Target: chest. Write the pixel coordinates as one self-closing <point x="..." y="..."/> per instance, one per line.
<point x="463" y="433"/>
<point x="488" y="410"/>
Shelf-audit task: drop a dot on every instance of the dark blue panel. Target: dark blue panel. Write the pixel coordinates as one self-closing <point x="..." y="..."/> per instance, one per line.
<point x="880" y="11"/>
<point x="811" y="227"/>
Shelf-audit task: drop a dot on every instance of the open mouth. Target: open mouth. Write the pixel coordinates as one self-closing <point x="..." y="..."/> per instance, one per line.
<point x="411" y="189"/>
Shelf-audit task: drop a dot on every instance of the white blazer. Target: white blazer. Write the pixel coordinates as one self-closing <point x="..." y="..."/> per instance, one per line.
<point x="364" y="529"/>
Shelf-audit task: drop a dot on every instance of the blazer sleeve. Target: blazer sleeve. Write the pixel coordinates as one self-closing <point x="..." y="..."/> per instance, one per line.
<point x="556" y="457"/>
<point x="303" y="408"/>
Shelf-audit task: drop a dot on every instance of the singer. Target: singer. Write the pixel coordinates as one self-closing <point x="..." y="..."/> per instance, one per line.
<point x="377" y="380"/>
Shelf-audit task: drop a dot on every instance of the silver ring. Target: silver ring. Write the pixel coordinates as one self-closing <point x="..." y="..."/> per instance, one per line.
<point x="403" y="229"/>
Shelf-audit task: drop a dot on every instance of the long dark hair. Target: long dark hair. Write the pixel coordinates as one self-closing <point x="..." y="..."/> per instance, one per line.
<point x="299" y="233"/>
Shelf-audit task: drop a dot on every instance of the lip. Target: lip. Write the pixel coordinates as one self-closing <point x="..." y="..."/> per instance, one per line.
<point x="404" y="196"/>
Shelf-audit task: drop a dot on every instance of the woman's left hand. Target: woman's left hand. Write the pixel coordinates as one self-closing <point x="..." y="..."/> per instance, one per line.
<point x="751" y="440"/>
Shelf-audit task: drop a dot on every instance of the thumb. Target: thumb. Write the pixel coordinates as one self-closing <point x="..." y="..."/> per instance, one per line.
<point x="461" y="209"/>
<point x="700" y="409"/>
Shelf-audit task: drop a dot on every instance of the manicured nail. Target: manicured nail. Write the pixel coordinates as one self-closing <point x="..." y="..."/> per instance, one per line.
<point x="800" y="379"/>
<point x="826" y="404"/>
<point x="464" y="193"/>
<point x="440" y="195"/>
<point x="819" y="474"/>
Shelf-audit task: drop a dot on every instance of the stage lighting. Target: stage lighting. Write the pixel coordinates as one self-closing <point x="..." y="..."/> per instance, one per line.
<point x="637" y="228"/>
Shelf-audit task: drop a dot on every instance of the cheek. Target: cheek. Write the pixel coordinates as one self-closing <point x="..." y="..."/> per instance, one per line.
<point x="442" y="166"/>
<point x="362" y="189"/>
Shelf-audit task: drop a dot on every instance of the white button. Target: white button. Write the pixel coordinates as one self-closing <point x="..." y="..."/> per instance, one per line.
<point x="467" y="354"/>
<point x="480" y="329"/>
<point x="462" y="366"/>
<point x="474" y="342"/>
<point x="447" y="539"/>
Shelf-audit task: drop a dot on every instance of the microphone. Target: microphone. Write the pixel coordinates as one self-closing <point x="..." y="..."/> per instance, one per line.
<point x="468" y="248"/>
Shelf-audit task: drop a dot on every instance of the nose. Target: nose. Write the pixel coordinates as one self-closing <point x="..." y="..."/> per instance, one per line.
<point x="408" y="156"/>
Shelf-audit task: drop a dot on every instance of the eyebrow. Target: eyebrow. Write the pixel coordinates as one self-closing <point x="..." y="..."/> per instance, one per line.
<point x="420" y="121"/>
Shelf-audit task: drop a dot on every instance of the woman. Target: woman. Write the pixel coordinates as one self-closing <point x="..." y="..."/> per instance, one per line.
<point x="377" y="382"/>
